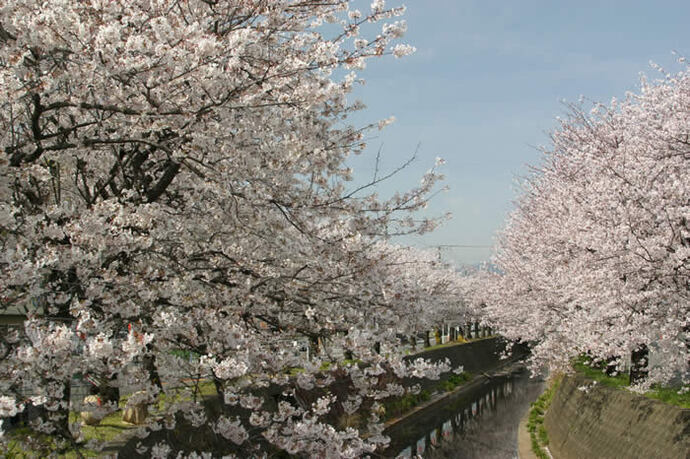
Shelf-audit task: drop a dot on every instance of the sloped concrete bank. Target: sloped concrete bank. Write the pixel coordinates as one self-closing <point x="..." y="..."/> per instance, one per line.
<point x="588" y="420"/>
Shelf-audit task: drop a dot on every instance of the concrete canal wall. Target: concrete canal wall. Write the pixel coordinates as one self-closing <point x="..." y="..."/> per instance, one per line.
<point x="595" y="421"/>
<point x="476" y="357"/>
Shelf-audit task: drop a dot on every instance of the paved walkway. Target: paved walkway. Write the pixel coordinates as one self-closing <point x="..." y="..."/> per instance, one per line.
<point x="524" y="440"/>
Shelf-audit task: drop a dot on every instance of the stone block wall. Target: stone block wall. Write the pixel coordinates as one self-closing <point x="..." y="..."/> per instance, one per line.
<point x="604" y="422"/>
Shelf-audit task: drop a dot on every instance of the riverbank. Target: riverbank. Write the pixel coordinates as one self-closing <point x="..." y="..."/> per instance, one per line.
<point x="478" y="421"/>
<point x="435" y="422"/>
<point x="478" y="358"/>
<point x="589" y="419"/>
<point x="478" y="380"/>
<point x="475" y="357"/>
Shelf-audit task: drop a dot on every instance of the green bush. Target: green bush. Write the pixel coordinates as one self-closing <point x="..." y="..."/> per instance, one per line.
<point x="455" y="380"/>
<point x="401" y="405"/>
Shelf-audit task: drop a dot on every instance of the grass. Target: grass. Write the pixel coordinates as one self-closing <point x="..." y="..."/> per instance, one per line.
<point x="670" y="395"/>
<point x="597" y="374"/>
<point x="107" y="430"/>
<point x="45" y="445"/>
<point x="325" y="366"/>
<point x="199" y="388"/>
<point x="535" y="424"/>
<point x="110" y="427"/>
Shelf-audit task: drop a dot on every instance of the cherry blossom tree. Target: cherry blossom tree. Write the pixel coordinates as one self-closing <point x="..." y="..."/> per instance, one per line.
<point x="595" y="258"/>
<point x="174" y="183"/>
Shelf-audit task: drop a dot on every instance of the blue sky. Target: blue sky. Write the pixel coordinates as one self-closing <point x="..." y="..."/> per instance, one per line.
<point x="485" y="86"/>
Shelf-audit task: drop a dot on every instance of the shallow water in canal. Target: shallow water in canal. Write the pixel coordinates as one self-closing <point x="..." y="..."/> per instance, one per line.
<point x="480" y="422"/>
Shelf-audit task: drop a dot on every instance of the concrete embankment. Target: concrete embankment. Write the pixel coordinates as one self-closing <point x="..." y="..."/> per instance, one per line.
<point x="587" y="420"/>
<point x="475" y="357"/>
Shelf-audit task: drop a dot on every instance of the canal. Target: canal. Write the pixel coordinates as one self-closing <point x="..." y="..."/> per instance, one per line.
<point x="480" y="421"/>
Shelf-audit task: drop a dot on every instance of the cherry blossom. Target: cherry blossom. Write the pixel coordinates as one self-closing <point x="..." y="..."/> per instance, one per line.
<point x="173" y="183"/>
<point x="596" y="256"/>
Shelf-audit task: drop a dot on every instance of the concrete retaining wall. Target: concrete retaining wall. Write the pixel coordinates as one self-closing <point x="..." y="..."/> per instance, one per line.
<point x="476" y="357"/>
<point x="605" y="422"/>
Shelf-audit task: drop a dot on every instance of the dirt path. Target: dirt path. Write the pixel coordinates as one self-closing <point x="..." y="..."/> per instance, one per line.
<point x="524" y="440"/>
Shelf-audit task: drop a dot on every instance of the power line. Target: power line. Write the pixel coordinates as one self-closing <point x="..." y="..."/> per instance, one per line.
<point x="462" y="246"/>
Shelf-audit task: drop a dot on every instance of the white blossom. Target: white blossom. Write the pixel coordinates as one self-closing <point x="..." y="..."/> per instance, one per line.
<point x="160" y="451"/>
<point x="230" y="368"/>
<point x="594" y="258"/>
<point x="231" y="429"/>
<point x="8" y="407"/>
<point x="377" y="6"/>
<point x="401" y="50"/>
<point x="180" y="208"/>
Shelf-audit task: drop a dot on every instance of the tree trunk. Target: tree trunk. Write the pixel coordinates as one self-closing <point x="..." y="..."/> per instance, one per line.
<point x="149" y="362"/>
<point x="109" y="390"/>
<point x="611" y="366"/>
<point x="639" y="364"/>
